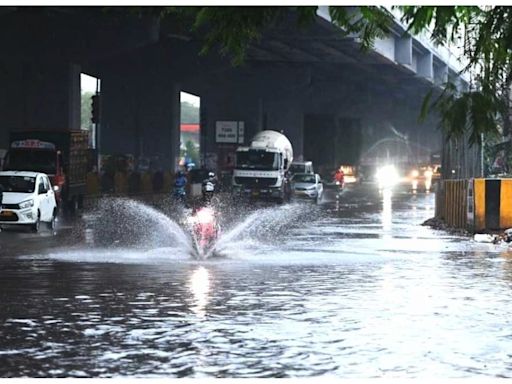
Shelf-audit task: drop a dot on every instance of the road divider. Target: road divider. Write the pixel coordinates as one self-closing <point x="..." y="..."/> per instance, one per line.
<point x="476" y="204"/>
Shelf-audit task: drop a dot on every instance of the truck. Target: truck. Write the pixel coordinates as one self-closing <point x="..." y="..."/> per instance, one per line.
<point x="62" y="155"/>
<point x="261" y="169"/>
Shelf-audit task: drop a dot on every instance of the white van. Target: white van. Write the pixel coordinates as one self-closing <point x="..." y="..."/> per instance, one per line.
<point x="301" y="167"/>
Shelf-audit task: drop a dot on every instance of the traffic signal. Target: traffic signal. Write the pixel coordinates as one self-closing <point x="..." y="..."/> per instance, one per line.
<point x="95" y="109"/>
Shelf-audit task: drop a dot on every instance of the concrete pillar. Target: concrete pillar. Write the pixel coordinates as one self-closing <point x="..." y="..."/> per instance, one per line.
<point x="403" y="50"/>
<point x="141" y="114"/>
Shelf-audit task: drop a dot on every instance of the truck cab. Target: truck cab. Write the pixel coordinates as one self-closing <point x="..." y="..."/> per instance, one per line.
<point x="261" y="169"/>
<point x="37" y="156"/>
<point x="62" y="155"/>
<point x="301" y="167"/>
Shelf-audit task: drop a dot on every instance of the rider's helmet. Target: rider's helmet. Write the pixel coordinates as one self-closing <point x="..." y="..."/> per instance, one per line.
<point x="211" y="174"/>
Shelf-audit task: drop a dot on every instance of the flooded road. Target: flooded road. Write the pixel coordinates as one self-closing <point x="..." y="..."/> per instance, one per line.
<point x="350" y="289"/>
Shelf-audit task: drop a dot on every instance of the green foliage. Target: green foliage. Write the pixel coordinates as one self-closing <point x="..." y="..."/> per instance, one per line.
<point x="233" y="29"/>
<point x="189" y="113"/>
<point x="86" y="110"/>
<point x="486" y="35"/>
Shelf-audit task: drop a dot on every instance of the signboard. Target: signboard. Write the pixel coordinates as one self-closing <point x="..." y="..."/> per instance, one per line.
<point x="229" y="132"/>
<point x="32" y="144"/>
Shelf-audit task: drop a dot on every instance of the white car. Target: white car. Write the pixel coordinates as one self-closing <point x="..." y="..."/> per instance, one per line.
<point x="28" y="198"/>
<point x="308" y="185"/>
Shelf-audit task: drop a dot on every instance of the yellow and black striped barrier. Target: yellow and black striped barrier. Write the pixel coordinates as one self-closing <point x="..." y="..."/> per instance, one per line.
<point x="492" y="204"/>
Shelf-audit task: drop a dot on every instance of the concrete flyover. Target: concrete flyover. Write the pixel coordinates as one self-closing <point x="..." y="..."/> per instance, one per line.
<point x="314" y="84"/>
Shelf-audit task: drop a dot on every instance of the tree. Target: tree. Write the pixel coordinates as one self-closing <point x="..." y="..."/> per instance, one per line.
<point x="189" y="113"/>
<point x="86" y="110"/>
<point x="232" y="29"/>
<point x="486" y="38"/>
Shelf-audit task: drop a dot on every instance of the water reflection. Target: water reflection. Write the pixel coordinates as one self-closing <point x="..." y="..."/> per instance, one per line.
<point x="199" y="285"/>
<point x="386" y="214"/>
<point x="322" y="298"/>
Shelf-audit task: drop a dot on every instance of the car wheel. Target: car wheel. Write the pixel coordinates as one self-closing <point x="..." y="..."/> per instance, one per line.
<point x="51" y="223"/>
<point x="36" y="225"/>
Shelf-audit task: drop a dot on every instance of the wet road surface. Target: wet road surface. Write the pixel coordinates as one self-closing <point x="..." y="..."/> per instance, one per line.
<point x="351" y="289"/>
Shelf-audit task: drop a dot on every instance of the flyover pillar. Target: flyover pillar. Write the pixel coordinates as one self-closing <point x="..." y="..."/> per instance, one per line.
<point x="141" y="115"/>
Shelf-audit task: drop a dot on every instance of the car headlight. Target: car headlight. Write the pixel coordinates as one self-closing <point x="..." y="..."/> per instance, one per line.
<point x="26" y="204"/>
<point x="312" y="188"/>
<point x="387" y="176"/>
<point x="415" y="173"/>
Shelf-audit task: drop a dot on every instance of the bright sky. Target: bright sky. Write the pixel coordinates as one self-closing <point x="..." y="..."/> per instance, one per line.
<point x="192" y="99"/>
<point x="87" y="83"/>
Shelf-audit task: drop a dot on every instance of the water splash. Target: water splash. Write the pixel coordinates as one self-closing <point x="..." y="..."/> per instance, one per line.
<point x="264" y="226"/>
<point x="121" y="230"/>
<point x="123" y="222"/>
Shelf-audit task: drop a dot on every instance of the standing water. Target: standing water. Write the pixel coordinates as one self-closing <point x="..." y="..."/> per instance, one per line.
<point x="354" y="290"/>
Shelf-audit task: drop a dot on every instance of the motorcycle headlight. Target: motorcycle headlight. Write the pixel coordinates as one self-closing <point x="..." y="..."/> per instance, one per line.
<point x="26" y="204"/>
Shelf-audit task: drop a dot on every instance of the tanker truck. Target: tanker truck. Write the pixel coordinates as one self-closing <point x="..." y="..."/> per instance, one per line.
<point x="261" y="169"/>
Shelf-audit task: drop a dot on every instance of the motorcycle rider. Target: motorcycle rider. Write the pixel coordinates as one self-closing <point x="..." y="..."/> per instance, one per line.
<point x="209" y="187"/>
<point x="179" y="186"/>
<point x="204" y="217"/>
<point x="339" y="177"/>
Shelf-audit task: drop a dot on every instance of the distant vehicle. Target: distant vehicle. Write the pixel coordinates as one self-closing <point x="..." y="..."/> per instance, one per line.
<point x="28" y="199"/>
<point x="387" y="176"/>
<point x="261" y="169"/>
<point x="307" y="185"/>
<point x="62" y="155"/>
<point x="301" y="167"/>
<point x="350" y="172"/>
<point x="420" y="178"/>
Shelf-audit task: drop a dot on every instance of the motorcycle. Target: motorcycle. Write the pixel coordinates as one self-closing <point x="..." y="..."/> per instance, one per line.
<point x="339" y="188"/>
<point x="205" y="230"/>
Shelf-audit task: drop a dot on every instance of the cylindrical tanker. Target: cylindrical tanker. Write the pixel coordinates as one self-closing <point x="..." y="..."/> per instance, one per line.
<point x="261" y="169"/>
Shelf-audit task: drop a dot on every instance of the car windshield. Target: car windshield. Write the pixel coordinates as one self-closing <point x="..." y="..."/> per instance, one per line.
<point x="304" y="178"/>
<point x="260" y="160"/>
<point x="22" y="184"/>
<point x="32" y="160"/>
